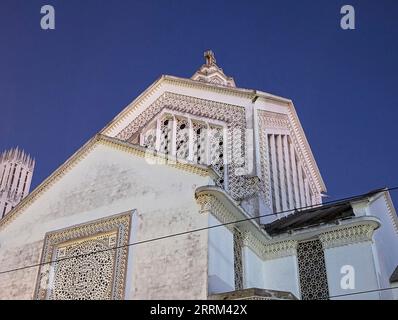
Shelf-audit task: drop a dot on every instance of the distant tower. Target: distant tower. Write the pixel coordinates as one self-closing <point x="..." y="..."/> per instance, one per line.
<point x="16" y="170"/>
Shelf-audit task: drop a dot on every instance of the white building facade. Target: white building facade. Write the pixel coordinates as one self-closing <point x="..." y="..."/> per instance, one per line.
<point x="147" y="208"/>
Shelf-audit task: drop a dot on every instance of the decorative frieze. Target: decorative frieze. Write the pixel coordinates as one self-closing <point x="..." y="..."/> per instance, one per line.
<point x="280" y="249"/>
<point x="347" y="236"/>
<point x="240" y="185"/>
<point x="272" y="120"/>
<point x="209" y="204"/>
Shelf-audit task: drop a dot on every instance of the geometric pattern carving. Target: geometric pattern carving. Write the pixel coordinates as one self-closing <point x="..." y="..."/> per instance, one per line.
<point x="165" y="136"/>
<point x="216" y="142"/>
<point x="199" y="142"/>
<point x="346" y="236"/>
<point x="270" y="122"/>
<point x="85" y="276"/>
<point x="81" y="263"/>
<point x="240" y="187"/>
<point x="238" y="262"/>
<point x="209" y="204"/>
<point x="280" y="249"/>
<point x="182" y="139"/>
<point x="149" y="138"/>
<point x="312" y="271"/>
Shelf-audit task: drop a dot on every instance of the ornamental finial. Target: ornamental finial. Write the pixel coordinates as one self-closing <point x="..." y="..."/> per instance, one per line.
<point x="210" y="58"/>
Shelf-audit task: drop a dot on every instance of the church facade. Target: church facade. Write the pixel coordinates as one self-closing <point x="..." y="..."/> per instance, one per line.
<point x="197" y="190"/>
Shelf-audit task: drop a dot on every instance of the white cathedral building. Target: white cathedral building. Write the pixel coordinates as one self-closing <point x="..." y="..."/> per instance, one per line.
<point x="197" y="190"/>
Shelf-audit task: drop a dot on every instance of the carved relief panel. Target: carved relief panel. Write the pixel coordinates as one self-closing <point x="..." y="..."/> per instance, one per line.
<point x="85" y="262"/>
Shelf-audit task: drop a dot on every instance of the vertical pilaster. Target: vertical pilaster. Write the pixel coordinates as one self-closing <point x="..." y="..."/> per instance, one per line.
<point x="288" y="172"/>
<point x="173" y="138"/>
<point x="275" y="173"/>
<point x="158" y="134"/>
<point x="281" y="173"/>
<point x="296" y="185"/>
<point x="307" y="192"/>
<point x="190" y="140"/>
<point x="301" y="185"/>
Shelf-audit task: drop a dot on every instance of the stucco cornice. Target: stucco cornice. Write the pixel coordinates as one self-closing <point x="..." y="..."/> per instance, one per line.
<point x="347" y="235"/>
<point x="187" y="83"/>
<point x="217" y="202"/>
<point x="342" y="232"/>
<point x="385" y="194"/>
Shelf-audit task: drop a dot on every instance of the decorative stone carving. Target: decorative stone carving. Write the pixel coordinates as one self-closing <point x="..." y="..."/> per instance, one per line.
<point x="85" y="262"/>
<point x="240" y="186"/>
<point x="312" y="271"/>
<point x="212" y="73"/>
<point x="210" y="204"/>
<point x="273" y="120"/>
<point x="238" y="261"/>
<point x="206" y="203"/>
<point x="182" y="138"/>
<point x="346" y="236"/>
<point x="252" y="242"/>
<point x="280" y="249"/>
<point x="267" y="122"/>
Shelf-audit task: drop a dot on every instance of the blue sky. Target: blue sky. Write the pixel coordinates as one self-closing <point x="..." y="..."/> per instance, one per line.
<point x="58" y="88"/>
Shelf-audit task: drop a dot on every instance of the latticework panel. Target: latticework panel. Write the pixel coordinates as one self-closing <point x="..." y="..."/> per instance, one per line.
<point x="182" y="138"/>
<point x="238" y="262"/>
<point x="165" y="135"/>
<point x="216" y="150"/>
<point x="85" y="275"/>
<point x="149" y="138"/>
<point x="86" y="262"/>
<point x="312" y="269"/>
<point x="199" y="142"/>
<point x="239" y="184"/>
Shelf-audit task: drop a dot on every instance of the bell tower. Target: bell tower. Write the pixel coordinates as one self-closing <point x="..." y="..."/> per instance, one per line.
<point x="16" y="170"/>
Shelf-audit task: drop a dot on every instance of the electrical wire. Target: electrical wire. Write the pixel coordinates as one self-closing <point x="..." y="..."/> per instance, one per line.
<point x="208" y="228"/>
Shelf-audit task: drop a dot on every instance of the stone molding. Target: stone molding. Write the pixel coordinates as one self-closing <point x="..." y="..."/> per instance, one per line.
<point x="347" y="235"/>
<point x="209" y="204"/>
<point x="280" y="249"/>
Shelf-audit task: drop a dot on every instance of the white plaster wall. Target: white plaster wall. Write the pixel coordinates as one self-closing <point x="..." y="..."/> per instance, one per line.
<point x="105" y="183"/>
<point x="282" y="274"/>
<point x="385" y="244"/>
<point x="395" y="290"/>
<point x="221" y="258"/>
<point x="253" y="270"/>
<point x="360" y="257"/>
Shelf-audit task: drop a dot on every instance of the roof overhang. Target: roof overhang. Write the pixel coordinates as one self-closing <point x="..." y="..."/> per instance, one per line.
<point x="241" y="218"/>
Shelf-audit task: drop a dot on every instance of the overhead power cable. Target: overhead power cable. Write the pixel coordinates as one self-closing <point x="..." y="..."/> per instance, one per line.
<point x="203" y="229"/>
